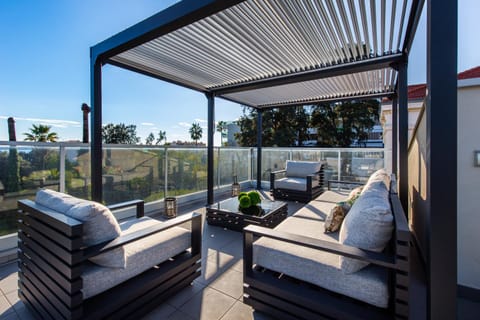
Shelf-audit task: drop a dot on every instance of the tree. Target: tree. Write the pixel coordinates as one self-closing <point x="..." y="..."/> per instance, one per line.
<point x="120" y="134"/>
<point x="281" y="127"/>
<point x="196" y="132"/>
<point x="222" y="128"/>
<point x="149" y="139"/>
<point x="41" y="133"/>
<point x="162" y="135"/>
<point x="340" y="124"/>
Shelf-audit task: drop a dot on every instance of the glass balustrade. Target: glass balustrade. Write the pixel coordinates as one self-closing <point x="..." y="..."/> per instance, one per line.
<point x="152" y="173"/>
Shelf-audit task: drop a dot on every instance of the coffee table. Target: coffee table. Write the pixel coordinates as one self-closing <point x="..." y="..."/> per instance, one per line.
<point x="226" y="214"/>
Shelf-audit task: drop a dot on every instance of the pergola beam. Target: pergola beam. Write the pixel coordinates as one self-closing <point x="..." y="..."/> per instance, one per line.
<point x="325" y="72"/>
<point x="328" y="100"/>
<point x="96" y="129"/>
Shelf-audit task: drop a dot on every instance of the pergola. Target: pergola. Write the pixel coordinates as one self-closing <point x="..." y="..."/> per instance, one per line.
<point x="276" y="53"/>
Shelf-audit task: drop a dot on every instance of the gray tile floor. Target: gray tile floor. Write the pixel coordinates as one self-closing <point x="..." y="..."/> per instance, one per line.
<point x="216" y="294"/>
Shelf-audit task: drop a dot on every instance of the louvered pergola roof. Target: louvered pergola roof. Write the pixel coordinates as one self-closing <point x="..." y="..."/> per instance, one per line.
<point x="269" y="53"/>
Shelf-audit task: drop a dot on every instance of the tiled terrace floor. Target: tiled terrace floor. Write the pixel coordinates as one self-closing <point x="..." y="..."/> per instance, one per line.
<point x="217" y="294"/>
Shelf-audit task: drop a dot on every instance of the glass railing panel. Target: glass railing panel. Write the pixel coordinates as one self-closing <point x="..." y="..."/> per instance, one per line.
<point x="273" y="159"/>
<point x="358" y="164"/>
<point x="24" y="169"/>
<point x="77" y="171"/>
<point x="133" y="173"/>
<point x="231" y="162"/>
<point x="187" y="170"/>
<point x="330" y="159"/>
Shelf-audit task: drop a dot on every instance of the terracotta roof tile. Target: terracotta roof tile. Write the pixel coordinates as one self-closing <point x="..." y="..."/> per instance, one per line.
<point x="470" y="73"/>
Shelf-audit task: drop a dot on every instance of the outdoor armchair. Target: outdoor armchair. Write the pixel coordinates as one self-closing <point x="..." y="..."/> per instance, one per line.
<point x="300" y="181"/>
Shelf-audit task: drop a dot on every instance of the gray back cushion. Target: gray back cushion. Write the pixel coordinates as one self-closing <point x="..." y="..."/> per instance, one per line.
<point x="302" y="169"/>
<point x="368" y="225"/>
<point x="99" y="224"/>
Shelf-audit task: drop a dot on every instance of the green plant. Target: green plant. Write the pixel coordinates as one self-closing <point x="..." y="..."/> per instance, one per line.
<point x="254" y="198"/>
<point x="241" y="194"/>
<point x="245" y="202"/>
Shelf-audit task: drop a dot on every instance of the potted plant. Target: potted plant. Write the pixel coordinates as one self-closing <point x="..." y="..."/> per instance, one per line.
<point x="249" y="203"/>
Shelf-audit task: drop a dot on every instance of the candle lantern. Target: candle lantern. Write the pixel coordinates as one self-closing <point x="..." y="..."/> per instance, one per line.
<point x="170" y="207"/>
<point x="235" y="187"/>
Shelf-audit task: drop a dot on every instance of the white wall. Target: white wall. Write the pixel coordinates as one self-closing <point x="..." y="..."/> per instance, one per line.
<point x="468" y="176"/>
<point x="468" y="184"/>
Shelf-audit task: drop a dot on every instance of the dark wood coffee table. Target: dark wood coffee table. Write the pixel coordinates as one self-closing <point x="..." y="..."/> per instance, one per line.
<point x="226" y="214"/>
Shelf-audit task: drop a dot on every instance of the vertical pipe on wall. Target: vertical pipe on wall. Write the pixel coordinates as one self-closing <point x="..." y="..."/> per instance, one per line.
<point x="395" y="135"/>
<point x="259" y="148"/>
<point x="441" y="158"/>
<point x="96" y="127"/>
<point x="63" y="156"/>
<point x="403" y="135"/>
<point x="210" y="149"/>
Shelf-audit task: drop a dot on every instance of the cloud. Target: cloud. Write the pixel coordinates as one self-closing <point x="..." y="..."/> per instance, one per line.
<point x="56" y="123"/>
<point x="148" y="124"/>
<point x="184" y="124"/>
<point x="201" y="120"/>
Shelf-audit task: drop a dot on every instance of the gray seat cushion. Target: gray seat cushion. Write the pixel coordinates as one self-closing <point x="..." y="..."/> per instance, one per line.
<point x="291" y="183"/>
<point x="141" y="255"/>
<point x="319" y="267"/>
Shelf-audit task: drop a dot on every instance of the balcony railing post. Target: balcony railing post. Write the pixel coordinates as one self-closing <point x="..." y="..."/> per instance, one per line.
<point x="339" y="165"/>
<point x="165" y="169"/>
<point x="62" y="168"/>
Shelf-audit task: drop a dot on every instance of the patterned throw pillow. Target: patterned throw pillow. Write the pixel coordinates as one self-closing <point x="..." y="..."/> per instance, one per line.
<point x="353" y="195"/>
<point x="335" y="217"/>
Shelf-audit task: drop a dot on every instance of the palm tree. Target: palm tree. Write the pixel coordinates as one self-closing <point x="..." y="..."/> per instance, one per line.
<point x="162" y="135"/>
<point x="222" y="127"/>
<point x="41" y="133"/>
<point x="196" y="132"/>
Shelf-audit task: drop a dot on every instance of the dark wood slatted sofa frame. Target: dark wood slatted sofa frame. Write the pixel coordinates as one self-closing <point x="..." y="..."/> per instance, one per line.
<point x="288" y="298"/>
<point x="315" y="187"/>
<point x="52" y="258"/>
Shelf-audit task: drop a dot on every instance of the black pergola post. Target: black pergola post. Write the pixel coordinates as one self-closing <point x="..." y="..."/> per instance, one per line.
<point x="395" y="135"/>
<point x="96" y="128"/>
<point x="259" y="148"/>
<point x="441" y="158"/>
<point x="403" y="134"/>
<point x="210" y="149"/>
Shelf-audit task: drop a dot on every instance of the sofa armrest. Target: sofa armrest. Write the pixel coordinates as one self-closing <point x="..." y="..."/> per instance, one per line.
<point x="250" y="231"/>
<point x="273" y="175"/>
<point x="140" y="204"/>
<point x="140" y="234"/>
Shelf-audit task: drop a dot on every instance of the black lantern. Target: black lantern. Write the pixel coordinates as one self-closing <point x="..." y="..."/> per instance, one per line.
<point x="170" y="207"/>
<point x="235" y="187"/>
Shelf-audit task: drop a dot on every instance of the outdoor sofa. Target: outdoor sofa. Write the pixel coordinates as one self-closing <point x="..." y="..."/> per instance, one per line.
<point x="299" y="181"/>
<point x="360" y="272"/>
<point x="77" y="262"/>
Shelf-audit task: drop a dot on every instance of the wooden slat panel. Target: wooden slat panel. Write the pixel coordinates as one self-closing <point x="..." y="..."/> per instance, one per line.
<point x="41" y="299"/>
<point x="68" y="285"/>
<point x="136" y="287"/>
<point x="285" y="306"/>
<point x="318" y="299"/>
<point x="32" y="279"/>
<point x="402" y="280"/>
<point x="28" y="298"/>
<point x="68" y="243"/>
<point x="274" y="311"/>
<point x="67" y="271"/>
<point x="32" y="270"/>
<point x="71" y="258"/>
<point x="64" y="224"/>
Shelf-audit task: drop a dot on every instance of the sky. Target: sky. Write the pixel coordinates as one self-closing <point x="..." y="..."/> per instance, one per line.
<point x="45" y="68"/>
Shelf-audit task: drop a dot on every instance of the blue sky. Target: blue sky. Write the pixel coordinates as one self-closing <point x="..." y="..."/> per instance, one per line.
<point x="44" y="68"/>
